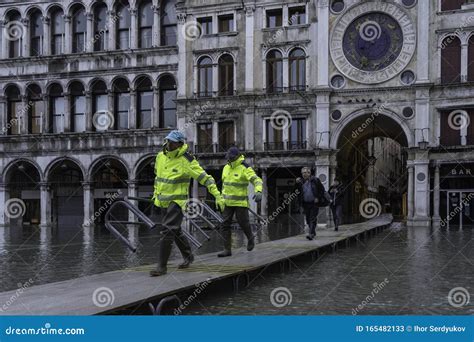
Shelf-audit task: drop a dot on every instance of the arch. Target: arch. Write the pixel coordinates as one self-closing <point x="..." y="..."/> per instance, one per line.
<point x="226" y="74"/>
<point x="223" y="53"/>
<point x="297" y="49"/>
<point x="273" y="50"/>
<point x="203" y="57"/>
<point x="53" y="7"/>
<point x="29" y="10"/>
<point x="12" y="86"/>
<point x="297" y="69"/>
<point x="97" y="161"/>
<point x="141" y="77"/>
<point x="164" y="75"/>
<point x="140" y="162"/>
<point x="52" y="165"/>
<point x="119" y="78"/>
<point x="11" y="11"/>
<point x="73" y="6"/>
<point x="76" y="82"/>
<point x="11" y="164"/>
<point x="96" y="82"/>
<point x="54" y="87"/>
<point x="96" y="3"/>
<point x="54" y="83"/>
<point x="450" y="59"/>
<point x="345" y="122"/>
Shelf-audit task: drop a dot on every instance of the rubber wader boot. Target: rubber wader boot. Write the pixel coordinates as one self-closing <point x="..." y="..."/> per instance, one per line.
<point x="166" y="245"/>
<point x="184" y="248"/>
<point x="227" y="236"/>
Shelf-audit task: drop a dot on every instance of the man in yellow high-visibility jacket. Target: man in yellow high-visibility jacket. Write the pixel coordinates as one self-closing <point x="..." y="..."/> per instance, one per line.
<point x="236" y="177"/>
<point x="174" y="168"/>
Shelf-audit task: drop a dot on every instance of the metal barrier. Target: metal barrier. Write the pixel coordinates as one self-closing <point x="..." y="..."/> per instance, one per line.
<point x="109" y="223"/>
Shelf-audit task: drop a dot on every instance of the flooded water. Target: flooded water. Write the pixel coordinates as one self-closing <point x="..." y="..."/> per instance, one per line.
<point x="399" y="271"/>
<point x="68" y="252"/>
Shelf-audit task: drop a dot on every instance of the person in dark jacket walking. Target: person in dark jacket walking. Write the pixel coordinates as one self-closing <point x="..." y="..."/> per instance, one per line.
<point x="336" y="192"/>
<point x="312" y="191"/>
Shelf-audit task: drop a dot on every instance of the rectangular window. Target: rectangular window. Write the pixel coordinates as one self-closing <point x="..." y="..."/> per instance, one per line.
<point x="226" y="23"/>
<point x="297" y="137"/>
<point x="449" y="136"/>
<point x="123" y="39"/>
<point x="15" y="108"/>
<point x="206" y="25"/>
<point x="168" y="35"/>
<point x="204" y="133"/>
<point x="78" y="111"/>
<point x="57" y="110"/>
<point x="79" y="42"/>
<point x="168" y="108"/>
<point x="275" y="18"/>
<point x="36" y="116"/>
<point x="145" y="104"/>
<point x="57" y="44"/>
<point x="146" y="37"/>
<point x="274" y="139"/>
<point x="226" y="135"/>
<point x="297" y="15"/>
<point x="123" y="108"/>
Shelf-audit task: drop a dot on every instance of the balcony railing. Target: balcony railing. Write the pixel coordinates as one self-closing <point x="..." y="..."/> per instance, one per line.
<point x="212" y="148"/>
<point x="297" y="145"/>
<point x="274" y="146"/>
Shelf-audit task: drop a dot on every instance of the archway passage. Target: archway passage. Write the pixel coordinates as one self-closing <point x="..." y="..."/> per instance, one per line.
<point x="23" y="189"/>
<point x="371" y="164"/>
<point x="67" y="196"/>
<point x="145" y="183"/>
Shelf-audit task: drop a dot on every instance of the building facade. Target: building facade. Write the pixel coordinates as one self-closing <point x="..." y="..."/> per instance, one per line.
<point x="375" y="93"/>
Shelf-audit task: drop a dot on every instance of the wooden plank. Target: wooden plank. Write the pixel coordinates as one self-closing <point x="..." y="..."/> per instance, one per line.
<point x="133" y="286"/>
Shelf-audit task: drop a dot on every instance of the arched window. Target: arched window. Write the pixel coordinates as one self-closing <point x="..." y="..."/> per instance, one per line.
<point x="36" y="34"/>
<point x="145" y="24"/>
<point x="121" y="103"/>
<point x="470" y="64"/>
<point x="35" y="109"/>
<point x="167" y="115"/>
<point x="14" y="35"/>
<point x="14" y="110"/>
<point x="123" y="26"/>
<point x="144" y="102"/>
<point x="99" y="98"/>
<point x="226" y="75"/>
<point x="78" y="107"/>
<point x="56" y="108"/>
<point x="57" y="32"/>
<point x="205" y="77"/>
<point x="274" y="72"/>
<point x="79" y="29"/>
<point x="100" y="25"/>
<point x="451" y="60"/>
<point x="168" y="23"/>
<point x="297" y="63"/>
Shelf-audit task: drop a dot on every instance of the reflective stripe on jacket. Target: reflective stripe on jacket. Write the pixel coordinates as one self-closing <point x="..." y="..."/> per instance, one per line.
<point x="235" y="180"/>
<point x="173" y="171"/>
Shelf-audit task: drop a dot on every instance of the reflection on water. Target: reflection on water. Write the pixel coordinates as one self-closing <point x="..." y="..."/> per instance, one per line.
<point x="421" y="266"/>
<point x="50" y="255"/>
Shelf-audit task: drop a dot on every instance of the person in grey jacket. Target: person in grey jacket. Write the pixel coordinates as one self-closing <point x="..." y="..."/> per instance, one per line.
<point x="336" y="192"/>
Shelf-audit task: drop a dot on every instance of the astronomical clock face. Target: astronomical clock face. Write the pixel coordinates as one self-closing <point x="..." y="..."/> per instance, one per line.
<point x="373" y="42"/>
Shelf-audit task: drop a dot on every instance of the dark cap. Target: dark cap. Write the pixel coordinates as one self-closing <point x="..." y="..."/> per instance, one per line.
<point x="232" y="153"/>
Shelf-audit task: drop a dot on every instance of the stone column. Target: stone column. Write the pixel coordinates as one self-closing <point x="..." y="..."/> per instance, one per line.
<point x="111" y="102"/>
<point x="436" y="197"/>
<point x="24" y="113"/>
<point x="323" y="43"/>
<point x="249" y="48"/>
<point x="410" y="199"/>
<point x="88" y="205"/>
<point x="264" y="203"/>
<point x="46" y="37"/>
<point x="464" y="61"/>
<point x="133" y="28"/>
<point x="25" y="40"/>
<point x="67" y="39"/>
<point x="423" y="41"/>
<point x="322" y="121"/>
<point x="249" y="126"/>
<point x="286" y="74"/>
<point x="112" y="29"/>
<point x="422" y="193"/>
<point x="422" y="109"/>
<point x="132" y="192"/>
<point x="182" y="65"/>
<point x="155" y="112"/>
<point x="45" y="119"/>
<point x="5" y="42"/>
<point x="67" y="112"/>
<point x="132" y="116"/>
<point x="89" y="47"/>
<point x="45" y="203"/>
<point x="88" y="114"/>
<point x="3" y="199"/>
<point x="156" y="26"/>
<point x="4" y="116"/>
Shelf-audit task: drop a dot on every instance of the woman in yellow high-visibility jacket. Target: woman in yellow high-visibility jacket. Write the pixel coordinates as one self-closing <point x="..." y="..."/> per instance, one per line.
<point x="236" y="177"/>
<point x="174" y="168"/>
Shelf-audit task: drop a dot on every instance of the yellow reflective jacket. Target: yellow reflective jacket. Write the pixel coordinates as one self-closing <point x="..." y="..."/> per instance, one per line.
<point x="235" y="180"/>
<point x="173" y="172"/>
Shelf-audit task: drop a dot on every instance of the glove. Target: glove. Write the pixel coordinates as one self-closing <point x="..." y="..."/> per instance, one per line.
<point x="257" y="197"/>
<point x="299" y="180"/>
<point x="220" y="203"/>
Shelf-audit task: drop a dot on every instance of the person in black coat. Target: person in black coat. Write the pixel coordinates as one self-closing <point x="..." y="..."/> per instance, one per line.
<point x="311" y="193"/>
<point x="336" y="193"/>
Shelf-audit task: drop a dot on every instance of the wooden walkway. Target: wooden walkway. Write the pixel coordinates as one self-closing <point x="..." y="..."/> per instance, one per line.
<point x="130" y="287"/>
